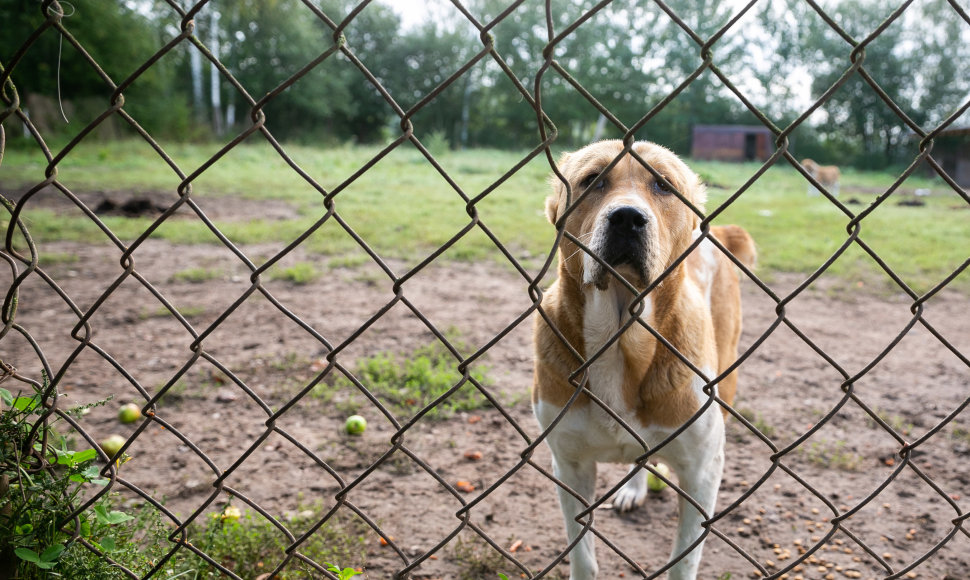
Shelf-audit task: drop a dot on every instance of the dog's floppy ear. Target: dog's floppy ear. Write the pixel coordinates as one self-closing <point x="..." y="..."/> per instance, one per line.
<point x="557" y="197"/>
<point x="700" y="199"/>
<point x="700" y="195"/>
<point x="552" y="206"/>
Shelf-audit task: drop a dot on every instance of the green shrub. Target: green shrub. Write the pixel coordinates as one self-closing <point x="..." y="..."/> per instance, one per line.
<point x="42" y="481"/>
<point x="251" y="545"/>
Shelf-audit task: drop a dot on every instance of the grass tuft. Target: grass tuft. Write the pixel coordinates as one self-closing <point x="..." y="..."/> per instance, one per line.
<point x="832" y="455"/>
<point x="299" y="273"/>
<point x="411" y="383"/>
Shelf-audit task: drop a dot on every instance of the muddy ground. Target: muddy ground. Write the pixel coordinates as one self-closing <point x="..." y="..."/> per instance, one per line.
<point x="842" y="504"/>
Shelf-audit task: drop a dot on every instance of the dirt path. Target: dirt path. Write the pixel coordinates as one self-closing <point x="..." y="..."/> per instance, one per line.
<point x="786" y="388"/>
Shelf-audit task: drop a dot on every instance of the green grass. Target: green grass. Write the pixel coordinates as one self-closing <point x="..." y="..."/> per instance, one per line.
<point x="249" y="544"/>
<point x="478" y="560"/>
<point x="895" y="422"/>
<point x="757" y="421"/>
<point x="960" y="433"/>
<point x="832" y="455"/>
<point x="54" y="258"/>
<point x="796" y="232"/>
<point x="299" y="273"/>
<point x="404" y="209"/>
<point x="402" y="206"/>
<point x="408" y="384"/>
<point x="163" y="312"/>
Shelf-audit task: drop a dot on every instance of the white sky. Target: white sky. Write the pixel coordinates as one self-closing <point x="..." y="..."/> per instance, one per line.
<point x="414" y="12"/>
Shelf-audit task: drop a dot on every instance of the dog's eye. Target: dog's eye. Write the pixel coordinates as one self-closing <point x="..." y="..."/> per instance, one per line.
<point x="661" y="187"/>
<point x="588" y="181"/>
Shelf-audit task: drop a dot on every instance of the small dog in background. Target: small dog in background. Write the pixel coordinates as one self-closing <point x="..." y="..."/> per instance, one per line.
<point x="827" y="175"/>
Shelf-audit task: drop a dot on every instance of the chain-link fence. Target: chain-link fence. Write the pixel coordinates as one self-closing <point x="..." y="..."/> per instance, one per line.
<point x="846" y="453"/>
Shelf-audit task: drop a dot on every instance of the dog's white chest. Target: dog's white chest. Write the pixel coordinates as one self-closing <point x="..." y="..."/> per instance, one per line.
<point x="603" y="318"/>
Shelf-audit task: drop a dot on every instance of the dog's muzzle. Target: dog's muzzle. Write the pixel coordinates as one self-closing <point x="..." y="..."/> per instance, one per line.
<point x="624" y="243"/>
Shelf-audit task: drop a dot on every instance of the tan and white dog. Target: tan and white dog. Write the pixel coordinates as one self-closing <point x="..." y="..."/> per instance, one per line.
<point x="633" y="223"/>
<point x="827" y="175"/>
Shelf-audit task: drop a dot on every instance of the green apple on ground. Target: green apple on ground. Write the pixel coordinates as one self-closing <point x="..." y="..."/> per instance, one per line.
<point x="129" y="413"/>
<point x="654" y="483"/>
<point x="112" y="444"/>
<point x="355" y="424"/>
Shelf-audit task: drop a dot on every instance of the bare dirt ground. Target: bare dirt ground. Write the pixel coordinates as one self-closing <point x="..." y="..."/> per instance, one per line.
<point x="843" y="503"/>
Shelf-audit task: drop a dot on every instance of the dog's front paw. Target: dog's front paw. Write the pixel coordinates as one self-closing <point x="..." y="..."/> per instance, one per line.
<point x="633" y="492"/>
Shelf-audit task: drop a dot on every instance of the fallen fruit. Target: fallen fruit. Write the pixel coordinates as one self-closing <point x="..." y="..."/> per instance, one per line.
<point x="355" y="424"/>
<point x="129" y="413"/>
<point x="654" y="483"/>
<point x="473" y="455"/>
<point x="112" y="444"/>
<point x="464" y="486"/>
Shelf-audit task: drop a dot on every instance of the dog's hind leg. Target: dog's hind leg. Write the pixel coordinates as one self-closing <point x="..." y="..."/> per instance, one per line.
<point x="580" y="476"/>
<point x="700" y="480"/>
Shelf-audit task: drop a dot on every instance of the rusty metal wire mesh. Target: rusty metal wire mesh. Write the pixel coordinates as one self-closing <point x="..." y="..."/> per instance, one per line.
<point x="831" y="516"/>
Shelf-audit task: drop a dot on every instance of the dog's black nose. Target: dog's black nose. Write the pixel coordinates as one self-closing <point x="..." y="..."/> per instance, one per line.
<point x="627" y="219"/>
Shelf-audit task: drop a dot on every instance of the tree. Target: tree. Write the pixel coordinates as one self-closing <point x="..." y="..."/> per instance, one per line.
<point x="915" y="64"/>
<point x="56" y="70"/>
<point x="430" y="55"/>
<point x="268" y="41"/>
<point x="375" y="39"/>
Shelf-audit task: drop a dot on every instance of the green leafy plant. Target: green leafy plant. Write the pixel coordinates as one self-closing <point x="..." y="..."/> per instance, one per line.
<point x="477" y="559"/>
<point x="344" y="574"/>
<point x="42" y="481"/>
<point x="245" y="544"/>
<point x="45" y="560"/>
<point x="437" y="143"/>
<point x="833" y="454"/>
<point x="759" y="423"/>
<point x="410" y="383"/>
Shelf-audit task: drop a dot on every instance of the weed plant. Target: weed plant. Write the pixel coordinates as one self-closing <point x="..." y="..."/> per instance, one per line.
<point x="251" y="546"/>
<point x="833" y="455"/>
<point x="43" y="481"/>
<point x="408" y="384"/>
<point x="478" y="560"/>
<point x="299" y="273"/>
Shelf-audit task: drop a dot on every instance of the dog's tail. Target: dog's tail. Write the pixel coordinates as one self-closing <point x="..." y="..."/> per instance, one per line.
<point x="738" y="242"/>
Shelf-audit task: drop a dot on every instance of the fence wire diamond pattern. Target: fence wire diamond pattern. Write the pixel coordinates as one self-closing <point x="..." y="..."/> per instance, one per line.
<point x="269" y="414"/>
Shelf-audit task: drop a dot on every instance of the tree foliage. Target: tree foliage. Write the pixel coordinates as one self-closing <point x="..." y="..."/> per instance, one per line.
<point x="369" y="77"/>
<point x="53" y="66"/>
